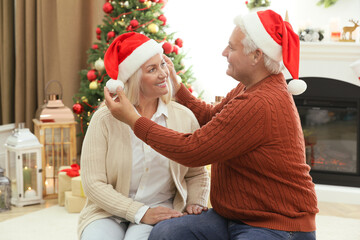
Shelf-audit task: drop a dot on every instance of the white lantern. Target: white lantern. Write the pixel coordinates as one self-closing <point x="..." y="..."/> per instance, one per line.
<point x="23" y="167"/>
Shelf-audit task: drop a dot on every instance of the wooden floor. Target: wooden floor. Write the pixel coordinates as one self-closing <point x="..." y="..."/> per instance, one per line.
<point x="328" y="209"/>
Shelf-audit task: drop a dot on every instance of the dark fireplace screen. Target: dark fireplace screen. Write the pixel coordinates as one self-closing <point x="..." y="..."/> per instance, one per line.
<point x="330" y="131"/>
<point x="329" y="111"/>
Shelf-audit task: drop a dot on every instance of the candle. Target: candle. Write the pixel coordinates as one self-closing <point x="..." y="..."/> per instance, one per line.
<point x="27" y="177"/>
<point x="49" y="184"/>
<point x="49" y="172"/>
<point x="30" y="193"/>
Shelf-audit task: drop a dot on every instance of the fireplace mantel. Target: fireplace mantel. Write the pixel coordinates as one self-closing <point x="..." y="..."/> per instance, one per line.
<point x="329" y="60"/>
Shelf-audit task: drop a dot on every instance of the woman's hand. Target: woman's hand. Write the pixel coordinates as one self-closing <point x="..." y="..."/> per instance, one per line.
<point x="195" y="209"/>
<point x="121" y="109"/>
<point x="172" y="72"/>
<point x="157" y="214"/>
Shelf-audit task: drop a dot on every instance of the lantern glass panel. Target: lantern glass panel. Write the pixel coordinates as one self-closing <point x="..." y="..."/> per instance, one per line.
<point x="12" y="172"/>
<point x="5" y="192"/>
<point x="66" y="133"/>
<point x="30" y="174"/>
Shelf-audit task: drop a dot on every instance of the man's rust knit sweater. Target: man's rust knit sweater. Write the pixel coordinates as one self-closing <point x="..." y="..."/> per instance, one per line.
<point x="254" y="141"/>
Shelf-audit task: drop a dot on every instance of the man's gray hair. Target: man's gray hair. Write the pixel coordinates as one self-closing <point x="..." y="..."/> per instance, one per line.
<point x="274" y="67"/>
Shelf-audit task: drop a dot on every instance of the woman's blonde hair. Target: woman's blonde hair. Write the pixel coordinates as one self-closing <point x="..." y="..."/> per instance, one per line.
<point x="132" y="89"/>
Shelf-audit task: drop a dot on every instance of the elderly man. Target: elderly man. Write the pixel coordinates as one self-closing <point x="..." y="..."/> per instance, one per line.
<point x="260" y="182"/>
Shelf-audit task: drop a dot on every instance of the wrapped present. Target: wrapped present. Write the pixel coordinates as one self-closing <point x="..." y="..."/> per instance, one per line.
<point x="74" y="204"/>
<point x="63" y="185"/>
<point x="66" y="173"/>
<point x="76" y="187"/>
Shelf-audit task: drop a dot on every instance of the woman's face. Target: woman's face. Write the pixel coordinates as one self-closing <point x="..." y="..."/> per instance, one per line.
<point x="154" y="79"/>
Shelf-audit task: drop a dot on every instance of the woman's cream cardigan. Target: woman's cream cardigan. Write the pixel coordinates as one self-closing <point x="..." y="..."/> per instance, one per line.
<point x="106" y="162"/>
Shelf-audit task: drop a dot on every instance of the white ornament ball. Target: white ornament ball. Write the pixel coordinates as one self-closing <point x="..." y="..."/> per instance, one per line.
<point x="99" y="64"/>
<point x="297" y="86"/>
<point x="126" y="4"/>
<point x="112" y="85"/>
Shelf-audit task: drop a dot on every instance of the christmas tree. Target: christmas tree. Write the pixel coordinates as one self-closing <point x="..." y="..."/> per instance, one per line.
<point x="123" y="16"/>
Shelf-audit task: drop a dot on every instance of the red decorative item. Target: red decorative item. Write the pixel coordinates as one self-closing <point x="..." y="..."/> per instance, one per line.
<point x="167" y="47"/>
<point x="107" y="7"/>
<point x="190" y="88"/>
<point x="175" y="50"/>
<point x="142" y="1"/>
<point x="95" y="46"/>
<point x="163" y="19"/>
<point x="134" y="23"/>
<point x="129" y="28"/>
<point x="78" y="108"/>
<point x="164" y="2"/>
<point x="98" y="37"/>
<point x="98" y="30"/>
<point x="91" y="75"/>
<point x="110" y="35"/>
<point x="73" y="171"/>
<point x="155" y="1"/>
<point x="179" y="42"/>
<point x="246" y="2"/>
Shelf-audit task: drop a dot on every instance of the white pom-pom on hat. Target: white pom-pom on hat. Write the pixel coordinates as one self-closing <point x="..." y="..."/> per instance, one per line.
<point x="112" y="85"/>
<point x="297" y="86"/>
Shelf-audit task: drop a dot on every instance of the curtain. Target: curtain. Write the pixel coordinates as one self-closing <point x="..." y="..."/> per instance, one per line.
<point x="48" y="42"/>
<point x="7" y="61"/>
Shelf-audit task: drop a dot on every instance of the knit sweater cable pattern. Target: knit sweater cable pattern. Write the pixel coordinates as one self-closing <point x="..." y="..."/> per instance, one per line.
<point x="254" y="141"/>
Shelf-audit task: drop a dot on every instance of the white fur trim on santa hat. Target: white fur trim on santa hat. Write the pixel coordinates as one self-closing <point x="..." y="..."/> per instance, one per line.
<point x="297" y="86"/>
<point x="260" y="36"/>
<point x="113" y="84"/>
<point x="137" y="58"/>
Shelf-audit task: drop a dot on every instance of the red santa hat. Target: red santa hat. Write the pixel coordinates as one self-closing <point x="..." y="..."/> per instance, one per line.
<point x="277" y="40"/>
<point x="125" y="56"/>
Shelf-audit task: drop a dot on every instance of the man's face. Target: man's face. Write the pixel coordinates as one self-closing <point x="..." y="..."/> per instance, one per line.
<point x="239" y="64"/>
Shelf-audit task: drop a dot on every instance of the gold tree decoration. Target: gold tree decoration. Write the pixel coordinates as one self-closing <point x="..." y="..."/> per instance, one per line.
<point x="257" y="3"/>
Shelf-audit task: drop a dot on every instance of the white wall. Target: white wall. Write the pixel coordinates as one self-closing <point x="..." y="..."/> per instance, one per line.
<point x="206" y="26"/>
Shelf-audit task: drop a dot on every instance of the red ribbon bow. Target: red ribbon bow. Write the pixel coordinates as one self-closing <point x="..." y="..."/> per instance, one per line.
<point x="73" y="171"/>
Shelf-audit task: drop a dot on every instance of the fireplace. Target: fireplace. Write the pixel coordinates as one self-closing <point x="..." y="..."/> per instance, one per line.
<point x="330" y="116"/>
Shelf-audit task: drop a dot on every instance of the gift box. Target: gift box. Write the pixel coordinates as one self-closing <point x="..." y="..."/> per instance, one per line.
<point x="63" y="185"/>
<point x="74" y="204"/>
<point x="76" y="187"/>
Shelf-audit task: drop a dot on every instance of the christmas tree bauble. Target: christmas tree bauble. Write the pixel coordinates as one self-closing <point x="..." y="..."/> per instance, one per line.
<point x="148" y="4"/>
<point x="179" y="42"/>
<point x="98" y="30"/>
<point x="95" y="46"/>
<point x="142" y="1"/>
<point x="126" y="4"/>
<point x="134" y="23"/>
<point x="98" y="37"/>
<point x="84" y="99"/>
<point x="167" y="47"/>
<point x="91" y="75"/>
<point x="153" y="28"/>
<point x="110" y="35"/>
<point x="175" y="50"/>
<point x="163" y="19"/>
<point x="99" y="64"/>
<point x="107" y="7"/>
<point x="93" y="85"/>
<point x="78" y="108"/>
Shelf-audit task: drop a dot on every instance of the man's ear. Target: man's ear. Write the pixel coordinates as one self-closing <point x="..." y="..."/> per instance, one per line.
<point x="257" y="55"/>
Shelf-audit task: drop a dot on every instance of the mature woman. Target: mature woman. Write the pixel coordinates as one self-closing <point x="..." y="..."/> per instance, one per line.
<point x="129" y="186"/>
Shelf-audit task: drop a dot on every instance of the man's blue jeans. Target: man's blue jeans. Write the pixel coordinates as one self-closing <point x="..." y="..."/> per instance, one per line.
<point x="211" y="226"/>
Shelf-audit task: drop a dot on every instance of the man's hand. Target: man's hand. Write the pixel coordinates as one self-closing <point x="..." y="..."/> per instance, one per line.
<point x="121" y="109"/>
<point x="195" y="209"/>
<point x="157" y="214"/>
<point x="172" y="72"/>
